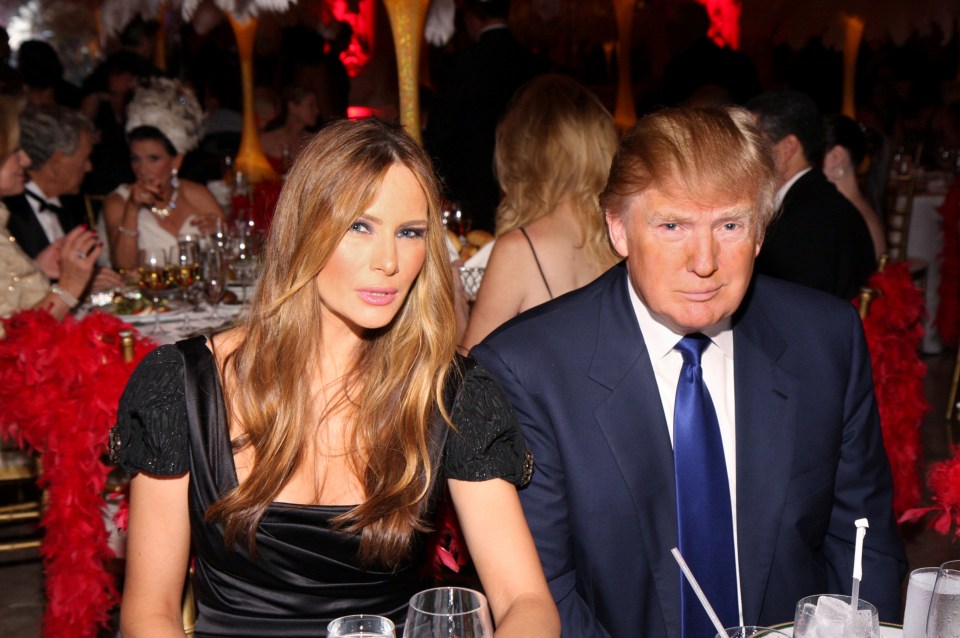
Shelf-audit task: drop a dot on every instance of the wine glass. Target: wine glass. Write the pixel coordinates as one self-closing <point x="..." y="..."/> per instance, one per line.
<point x="448" y="612"/>
<point x="944" y="618"/>
<point x="153" y="279"/>
<point x="361" y="626"/>
<point x="243" y="261"/>
<point x="186" y="263"/>
<point x="213" y="275"/>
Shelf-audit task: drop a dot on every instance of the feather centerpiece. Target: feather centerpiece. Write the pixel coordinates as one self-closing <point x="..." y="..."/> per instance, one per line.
<point x="240" y="9"/>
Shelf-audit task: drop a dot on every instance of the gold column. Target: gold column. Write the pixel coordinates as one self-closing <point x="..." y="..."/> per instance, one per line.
<point x="625" y="114"/>
<point x="250" y="159"/>
<point x="406" y="24"/>
<point x="852" y="34"/>
<point x="160" y="40"/>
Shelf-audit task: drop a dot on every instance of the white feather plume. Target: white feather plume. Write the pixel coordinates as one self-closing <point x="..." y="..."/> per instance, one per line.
<point x="170" y="108"/>
<point x="240" y="9"/>
<point x="440" y="22"/>
<point x="117" y="14"/>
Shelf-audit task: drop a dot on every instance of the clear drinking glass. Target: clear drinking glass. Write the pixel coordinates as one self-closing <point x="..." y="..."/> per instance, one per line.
<point x="448" y="612"/>
<point x="243" y="261"/>
<point x="153" y="279"/>
<point x="186" y="263"/>
<point x="944" y="618"/>
<point x="919" y="592"/>
<point x="361" y="626"/>
<point x="830" y="615"/>
<point x="213" y="275"/>
<point x="750" y="631"/>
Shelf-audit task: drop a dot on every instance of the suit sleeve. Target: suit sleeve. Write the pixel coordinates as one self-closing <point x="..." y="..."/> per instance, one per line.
<point x="544" y="501"/>
<point x="864" y="488"/>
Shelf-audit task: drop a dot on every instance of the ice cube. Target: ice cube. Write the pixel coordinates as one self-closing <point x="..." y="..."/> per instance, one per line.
<point x="829" y="608"/>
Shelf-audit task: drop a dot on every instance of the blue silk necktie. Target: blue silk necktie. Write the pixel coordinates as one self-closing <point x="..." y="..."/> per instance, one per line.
<point x="704" y="520"/>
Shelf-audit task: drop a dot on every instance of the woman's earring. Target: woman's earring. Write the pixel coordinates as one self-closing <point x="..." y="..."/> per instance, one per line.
<point x="174" y="180"/>
<point x="840" y="172"/>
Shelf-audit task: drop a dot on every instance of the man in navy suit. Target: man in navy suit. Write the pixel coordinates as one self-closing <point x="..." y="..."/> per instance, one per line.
<point x="593" y="377"/>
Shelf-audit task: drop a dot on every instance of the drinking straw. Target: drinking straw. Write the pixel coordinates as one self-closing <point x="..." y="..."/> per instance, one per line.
<point x="862" y="526"/>
<point x="699" y="592"/>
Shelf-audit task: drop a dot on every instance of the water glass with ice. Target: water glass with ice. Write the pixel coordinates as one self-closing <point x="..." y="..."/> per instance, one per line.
<point x="830" y="616"/>
<point x="750" y="631"/>
<point x="919" y="593"/>
<point x="944" y="618"/>
<point x="361" y="626"/>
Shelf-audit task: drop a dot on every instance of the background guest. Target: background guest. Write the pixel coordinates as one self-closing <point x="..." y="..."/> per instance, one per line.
<point x="819" y="239"/>
<point x="285" y="136"/>
<point x="163" y="123"/>
<point x="473" y="89"/>
<point x="846" y="147"/>
<point x="554" y="148"/>
<point x="58" y="142"/>
<point x="70" y="259"/>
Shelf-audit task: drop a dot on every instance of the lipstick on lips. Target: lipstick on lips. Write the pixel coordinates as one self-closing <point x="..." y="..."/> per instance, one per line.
<point x="377" y="296"/>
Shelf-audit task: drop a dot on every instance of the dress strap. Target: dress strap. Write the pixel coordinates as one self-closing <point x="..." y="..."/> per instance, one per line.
<point x="536" y="259"/>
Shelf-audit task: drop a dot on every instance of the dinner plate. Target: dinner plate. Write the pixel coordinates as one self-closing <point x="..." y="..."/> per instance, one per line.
<point x="175" y="311"/>
<point x="887" y="630"/>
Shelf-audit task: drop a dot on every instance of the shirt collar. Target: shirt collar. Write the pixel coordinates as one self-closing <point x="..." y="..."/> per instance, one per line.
<point x="782" y="193"/>
<point x="661" y="340"/>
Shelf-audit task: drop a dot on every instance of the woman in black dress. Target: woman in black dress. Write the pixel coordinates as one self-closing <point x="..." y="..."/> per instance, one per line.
<point x="299" y="456"/>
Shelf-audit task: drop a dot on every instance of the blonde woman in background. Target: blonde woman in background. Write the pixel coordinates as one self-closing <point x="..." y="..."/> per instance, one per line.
<point x="554" y="148"/>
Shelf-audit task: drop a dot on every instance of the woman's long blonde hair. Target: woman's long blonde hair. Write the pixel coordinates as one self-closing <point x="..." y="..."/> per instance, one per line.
<point x="555" y="143"/>
<point x="397" y="378"/>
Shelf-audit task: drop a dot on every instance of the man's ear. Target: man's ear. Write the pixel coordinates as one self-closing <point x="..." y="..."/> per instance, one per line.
<point x="617" y="230"/>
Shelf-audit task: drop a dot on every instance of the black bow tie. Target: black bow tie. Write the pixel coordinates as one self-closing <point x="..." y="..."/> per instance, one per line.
<point x="44" y="204"/>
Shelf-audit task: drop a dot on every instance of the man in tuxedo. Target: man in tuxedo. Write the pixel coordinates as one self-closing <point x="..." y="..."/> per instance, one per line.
<point x="820" y="239"/>
<point x="473" y="90"/>
<point x="58" y="142"/>
<point x="774" y="426"/>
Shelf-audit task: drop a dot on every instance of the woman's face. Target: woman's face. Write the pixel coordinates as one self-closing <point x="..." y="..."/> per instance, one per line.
<point x="305" y="111"/>
<point x="367" y="278"/>
<point x="151" y="162"/>
<point x="11" y="173"/>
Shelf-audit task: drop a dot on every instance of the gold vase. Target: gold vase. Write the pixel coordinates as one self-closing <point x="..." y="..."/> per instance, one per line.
<point x="250" y="160"/>
<point x="852" y="34"/>
<point x="625" y="113"/>
<point x="406" y="24"/>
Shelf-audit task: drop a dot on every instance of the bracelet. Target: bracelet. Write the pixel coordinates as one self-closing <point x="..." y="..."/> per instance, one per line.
<point x="128" y="233"/>
<point x="71" y="301"/>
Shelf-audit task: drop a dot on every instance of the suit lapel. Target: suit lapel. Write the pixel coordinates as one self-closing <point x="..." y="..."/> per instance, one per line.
<point x="632" y="421"/>
<point x="766" y="425"/>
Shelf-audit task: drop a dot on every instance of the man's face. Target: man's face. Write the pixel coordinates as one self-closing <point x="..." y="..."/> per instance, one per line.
<point x="73" y="167"/>
<point x="689" y="262"/>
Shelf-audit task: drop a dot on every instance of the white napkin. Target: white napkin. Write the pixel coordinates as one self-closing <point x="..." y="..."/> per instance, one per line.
<point x="480" y="258"/>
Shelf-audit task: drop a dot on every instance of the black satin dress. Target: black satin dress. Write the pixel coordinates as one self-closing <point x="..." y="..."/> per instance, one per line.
<point x="172" y="420"/>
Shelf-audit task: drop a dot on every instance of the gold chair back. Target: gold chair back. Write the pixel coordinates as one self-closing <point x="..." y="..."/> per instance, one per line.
<point x="18" y="468"/>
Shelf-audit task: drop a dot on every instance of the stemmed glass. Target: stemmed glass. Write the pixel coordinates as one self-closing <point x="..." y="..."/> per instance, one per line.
<point x="361" y="626"/>
<point x="213" y="274"/>
<point x="153" y="280"/>
<point x="244" y="261"/>
<point x="944" y="618"/>
<point x="450" y="612"/>
<point x="186" y="261"/>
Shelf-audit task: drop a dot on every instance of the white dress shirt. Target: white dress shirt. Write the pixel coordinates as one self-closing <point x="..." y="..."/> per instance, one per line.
<point x="717" y="366"/>
<point x="47" y="218"/>
<point x="782" y="191"/>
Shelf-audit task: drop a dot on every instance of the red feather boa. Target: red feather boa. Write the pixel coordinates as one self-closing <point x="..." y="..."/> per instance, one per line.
<point x="944" y="482"/>
<point x="894" y="329"/>
<point x="948" y="312"/>
<point x="60" y="382"/>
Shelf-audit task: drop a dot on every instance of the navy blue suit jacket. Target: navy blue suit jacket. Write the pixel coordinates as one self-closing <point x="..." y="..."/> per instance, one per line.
<point x="602" y="508"/>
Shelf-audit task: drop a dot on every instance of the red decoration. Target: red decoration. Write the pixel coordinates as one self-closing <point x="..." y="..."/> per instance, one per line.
<point x="944" y="482"/>
<point x="724" y="21"/>
<point x="60" y="383"/>
<point x="894" y="329"/>
<point x="948" y="312"/>
<point x="446" y="548"/>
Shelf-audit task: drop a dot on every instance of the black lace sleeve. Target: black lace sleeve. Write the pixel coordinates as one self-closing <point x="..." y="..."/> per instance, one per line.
<point x="151" y="431"/>
<point x="487" y="442"/>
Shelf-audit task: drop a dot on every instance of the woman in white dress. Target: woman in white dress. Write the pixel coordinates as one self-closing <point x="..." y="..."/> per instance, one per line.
<point x="163" y="124"/>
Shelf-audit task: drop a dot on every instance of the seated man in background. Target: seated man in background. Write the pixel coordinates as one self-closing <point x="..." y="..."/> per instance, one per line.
<point x="755" y="464"/>
<point x="820" y="239"/>
<point x="58" y="142"/>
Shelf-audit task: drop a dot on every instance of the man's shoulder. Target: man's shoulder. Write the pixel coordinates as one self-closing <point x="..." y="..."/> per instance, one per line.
<point x="789" y="304"/>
